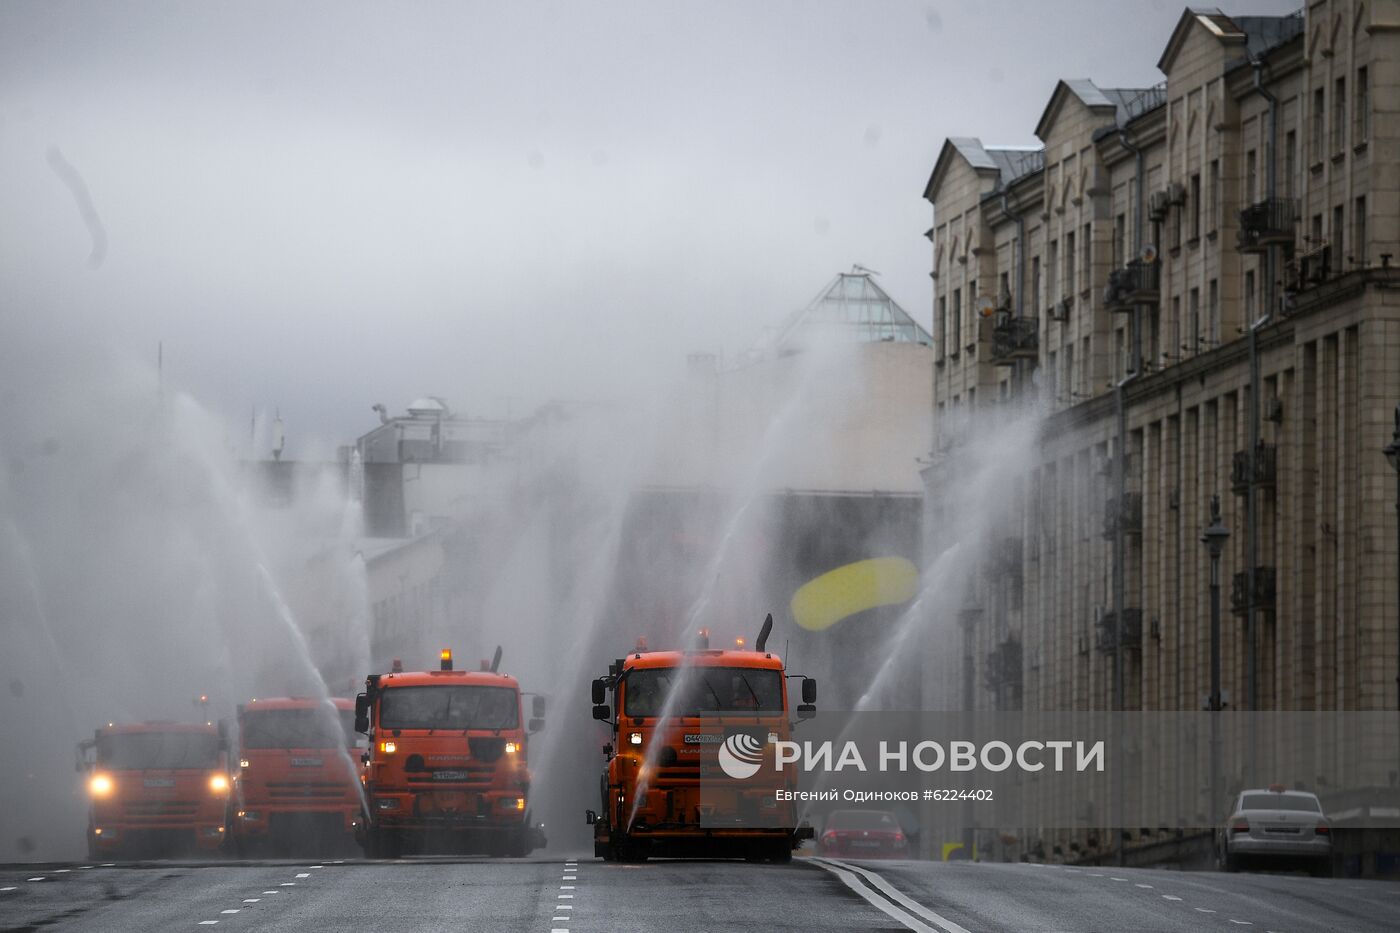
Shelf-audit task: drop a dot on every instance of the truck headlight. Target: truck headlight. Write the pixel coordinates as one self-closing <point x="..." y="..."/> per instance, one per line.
<point x="218" y="783"/>
<point x="100" y="785"/>
<point x="512" y="748"/>
<point x="635" y="738"/>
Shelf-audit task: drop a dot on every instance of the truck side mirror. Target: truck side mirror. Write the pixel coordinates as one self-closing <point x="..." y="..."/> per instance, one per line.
<point x="590" y="817"/>
<point x="600" y="711"/>
<point x="600" y="692"/>
<point x="806" y="711"/>
<point x="362" y="713"/>
<point x="809" y="690"/>
<point x="538" y="707"/>
<point x="536" y="725"/>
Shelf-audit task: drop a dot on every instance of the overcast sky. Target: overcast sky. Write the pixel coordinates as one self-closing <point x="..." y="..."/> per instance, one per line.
<point x="322" y="206"/>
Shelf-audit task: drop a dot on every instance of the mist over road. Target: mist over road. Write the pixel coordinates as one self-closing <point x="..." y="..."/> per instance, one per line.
<point x="581" y="894"/>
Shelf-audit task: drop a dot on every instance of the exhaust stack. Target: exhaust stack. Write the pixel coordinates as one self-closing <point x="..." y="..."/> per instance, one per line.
<point x="763" y="634"/>
<point x="496" y="659"/>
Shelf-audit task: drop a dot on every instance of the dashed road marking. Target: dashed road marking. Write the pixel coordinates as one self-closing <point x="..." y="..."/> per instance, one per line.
<point x="84" y="867"/>
<point x="60" y="871"/>
<point x="8" y="889"/>
<point x="1094" y="874"/>
<point x="1171" y="897"/>
<point x="252" y="900"/>
<point x="231" y="910"/>
<point x="40" y="878"/>
<point x="1117" y="879"/>
<point x="287" y="884"/>
<point x="564" y="896"/>
<point x="1205" y="910"/>
<point x="1148" y="886"/>
<point x="207" y="923"/>
<point x="109" y="864"/>
<point x="566" y="887"/>
<point x="1244" y="923"/>
<point x="271" y="892"/>
<point x="304" y="874"/>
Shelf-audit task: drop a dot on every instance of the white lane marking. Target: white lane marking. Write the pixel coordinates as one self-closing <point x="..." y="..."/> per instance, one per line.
<point x="566" y="887"/>
<point x="569" y="878"/>
<point x="40" y="878"/>
<point x="59" y="871"/>
<point x="109" y="864"/>
<point x="287" y="884"/>
<point x="1094" y="874"/>
<point x="231" y="910"/>
<point x="84" y="867"/>
<point x="304" y="874"/>
<point x="563" y="906"/>
<point x="252" y="900"/>
<point x="1244" y="923"/>
<point x="1148" y="886"/>
<point x="563" y="896"/>
<point x="271" y="892"/>
<point x="1171" y="897"/>
<point x="1073" y="871"/>
<point x="559" y="930"/>
<point x="317" y="866"/>
<point x="1205" y="910"/>
<point x="207" y="923"/>
<point x="7" y="889"/>
<point x="874" y="900"/>
<point x="1117" y="879"/>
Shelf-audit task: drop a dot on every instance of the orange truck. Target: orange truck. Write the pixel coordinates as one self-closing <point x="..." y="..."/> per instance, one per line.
<point x="155" y="788"/>
<point x="296" y="783"/>
<point x="673" y="710"/>
<point x="447" y="765"/>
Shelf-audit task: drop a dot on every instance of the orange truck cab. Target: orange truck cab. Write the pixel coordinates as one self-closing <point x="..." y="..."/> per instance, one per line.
<point x="673" y="708"/>
<point x="296" y="780"/>
<point x="155" y="788"/>
<point x="447" y="765"/>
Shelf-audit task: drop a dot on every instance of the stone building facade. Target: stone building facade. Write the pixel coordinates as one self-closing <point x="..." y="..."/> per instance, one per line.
<point x="1199" y="282"/>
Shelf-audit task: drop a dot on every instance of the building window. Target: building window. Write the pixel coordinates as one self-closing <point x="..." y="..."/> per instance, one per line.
<point x="1338" y="251"/>
<point x="1004" y="296"/>
<point x="1070" y="260"/>
<point x="1251" y="176"/>
<point x="1339" y="115"/>
<point x="1068" y="380"/>
<point x="1319" y="124"/>
<point x="1194" y="324"/>
<point x="955" y="330"/>
<point x="1212" y="334"/>
<point x="942" y="325"/>
<point x="1086" y="247"/>
<point x="1035" y="285"/>
<point x="1249" y="295"/>
<point x="1362" y="130"/>
<point x="1213" y="205"/>
<point x="1358" y="234"/>
<point x="1316" y="238"/>
<point x="1120" y="244"/>
<point x="1290" y="164"/>
<point x="1053" y="373"/>
<point x="1052" y="270"/>
<point x="1196" y="206"/>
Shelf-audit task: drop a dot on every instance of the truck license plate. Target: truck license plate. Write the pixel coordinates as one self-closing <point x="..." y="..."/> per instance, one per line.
<point x="449" y="775"/>
<point x="306" y="762"/>
<point x="159" y="782"/>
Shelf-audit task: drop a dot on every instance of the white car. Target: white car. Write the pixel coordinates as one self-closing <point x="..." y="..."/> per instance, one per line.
<point x="1277" y="826"/>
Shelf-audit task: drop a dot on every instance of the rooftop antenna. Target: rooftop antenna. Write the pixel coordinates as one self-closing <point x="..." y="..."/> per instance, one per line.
<point x="858" y="269"/>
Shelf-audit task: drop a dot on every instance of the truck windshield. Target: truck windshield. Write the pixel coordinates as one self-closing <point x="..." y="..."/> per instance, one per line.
<point x="298" y="728"/>
<point x="449" y="707"/>
<point x="702" y="690"/>
<point x="138" y="751"/>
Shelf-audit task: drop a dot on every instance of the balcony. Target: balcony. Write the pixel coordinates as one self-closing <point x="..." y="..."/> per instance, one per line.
<point x="1125" y="513"/>
<point x="1137" y="283"/>
<point x="1260" y="598"/>
<point x="1310" y="268"/>
<point x="1267" y="223"/>
<point x="1003" y="667"/>
<point x="1260" y="470"/>
<point x="1014" y="338"/>
<point x="1106" y="631"/>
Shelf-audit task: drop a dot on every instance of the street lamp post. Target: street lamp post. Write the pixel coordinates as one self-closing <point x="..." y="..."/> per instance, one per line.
<point x="1214" y="538"/>
<point x="1392" y="453"/>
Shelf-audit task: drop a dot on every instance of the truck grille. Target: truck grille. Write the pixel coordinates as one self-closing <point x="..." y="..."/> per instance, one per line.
<point x="160" y="809"/>
<point x="471" y="775"/>
<point x="304" y="789"/>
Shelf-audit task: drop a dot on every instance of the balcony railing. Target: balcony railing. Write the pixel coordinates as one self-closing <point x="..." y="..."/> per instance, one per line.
<point x="1137" y="283"/>
<point x="1265" y="224"/>
<point x="1260" y="598"/>
<point x="1125" y="513"/>
<point x="1106" y="631"/>
<point x="1014" y="338"/>
<point x="1310" y="268"/>
<point x="1260" y="470"/>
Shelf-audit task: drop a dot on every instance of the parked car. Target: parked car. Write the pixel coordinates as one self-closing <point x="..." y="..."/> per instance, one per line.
<point x="863" y="834"/>
<point x="1275" y="826"/>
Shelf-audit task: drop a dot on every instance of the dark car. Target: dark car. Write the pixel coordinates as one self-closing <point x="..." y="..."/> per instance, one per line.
<point x="863" y="834"/>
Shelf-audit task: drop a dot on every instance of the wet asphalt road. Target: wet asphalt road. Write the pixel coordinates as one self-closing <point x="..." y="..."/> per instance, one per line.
<point x="552" y="894"/>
